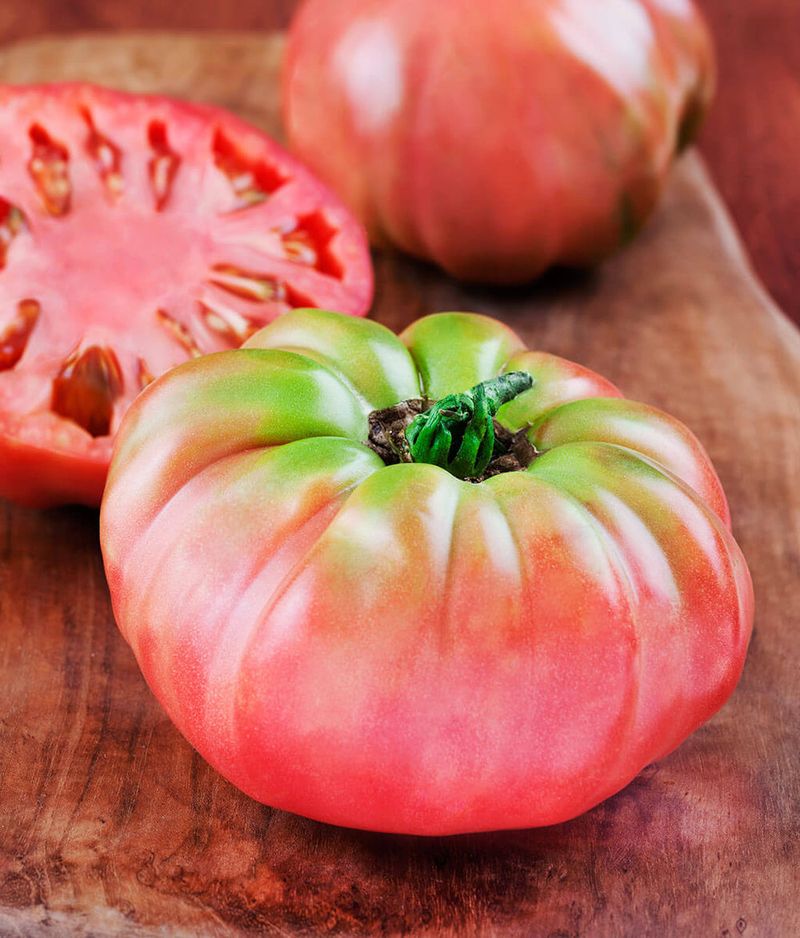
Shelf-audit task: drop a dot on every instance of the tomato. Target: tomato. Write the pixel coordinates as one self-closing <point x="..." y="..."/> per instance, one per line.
<point x="137" y="232"/>
<point x="375" y="642"/>
<point x="497" y="139"/>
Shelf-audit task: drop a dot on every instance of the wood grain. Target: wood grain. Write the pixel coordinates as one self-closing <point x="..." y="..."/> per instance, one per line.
<point x="111" y="825"/>
<point x="752" y="137"/>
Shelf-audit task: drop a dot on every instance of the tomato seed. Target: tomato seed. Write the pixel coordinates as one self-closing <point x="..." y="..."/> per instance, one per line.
<point x="300" y="248"/>
<point x="250" y="286"/>
<point x="179" y="332"/>
<point x="251" y="182"/>
<point x="86" y="387"/>
<point x="49" y="169"/>
<point x="144" y="374"/>
<point x="308" y="242"/>
<point x="163" y="165"/>
<point x="232" y="326"/>
<point x="106" y="156"/>
<point x="14" y="338"/>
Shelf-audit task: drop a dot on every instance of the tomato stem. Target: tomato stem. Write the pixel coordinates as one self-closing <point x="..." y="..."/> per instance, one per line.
<point x="458" y="433"/>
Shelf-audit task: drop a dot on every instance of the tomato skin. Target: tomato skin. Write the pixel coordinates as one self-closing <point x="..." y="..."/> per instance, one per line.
<point x="388" y="647"/>
<point x="137" y="231"/>
<point x="497" y="139"/>
<point x="64" y="477"/>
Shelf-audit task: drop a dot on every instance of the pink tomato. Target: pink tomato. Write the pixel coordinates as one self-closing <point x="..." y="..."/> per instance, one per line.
<point x="497" y="138"/>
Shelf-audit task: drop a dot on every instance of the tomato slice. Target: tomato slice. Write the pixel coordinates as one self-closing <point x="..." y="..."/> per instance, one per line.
<point x="137" y="232"/>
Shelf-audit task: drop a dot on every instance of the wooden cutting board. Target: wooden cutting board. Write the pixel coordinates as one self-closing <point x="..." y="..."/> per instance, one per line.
<point x="111" y="825"/>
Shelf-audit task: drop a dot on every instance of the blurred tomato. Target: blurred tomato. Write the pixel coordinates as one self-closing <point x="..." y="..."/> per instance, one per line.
<point x="497" y="138"/>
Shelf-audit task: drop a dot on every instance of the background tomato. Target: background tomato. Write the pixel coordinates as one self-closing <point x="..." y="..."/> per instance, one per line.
<point x="497" y="138"/>
<point x="387" y="646"/>
<point x="137" y="232"/>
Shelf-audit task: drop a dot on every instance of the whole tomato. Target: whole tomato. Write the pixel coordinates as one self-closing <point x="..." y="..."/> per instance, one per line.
<point x="497" y="138"/>
<point x="364" y="600"/>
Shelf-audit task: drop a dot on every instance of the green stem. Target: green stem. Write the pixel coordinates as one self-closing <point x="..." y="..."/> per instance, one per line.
<point x="457" y="433"/>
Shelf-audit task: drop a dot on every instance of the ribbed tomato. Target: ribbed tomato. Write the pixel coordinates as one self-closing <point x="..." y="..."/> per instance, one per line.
<point x="346" y="630"/>
<point x="497" y="138"/>
<point x="137" y="232"/>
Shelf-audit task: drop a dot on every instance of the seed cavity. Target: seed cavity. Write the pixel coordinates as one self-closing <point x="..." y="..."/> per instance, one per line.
<point x="12" y="222"/>
<point x="249" y="285"/>
<point x="308" y="241"/>
<point x="299" y="247"/>
<point x="179" y="332"/>
<point x="86" y="388"/>
<point x="49" y="169"/>
<point x="297" y="300"/>
<point x="14" y="338"/>
<point x="231" y="326"/>
<point x="163" y="164"/>
<point x="144" y="375"/>
<point x="251" y="182"/>
<point x="106" y="156"/>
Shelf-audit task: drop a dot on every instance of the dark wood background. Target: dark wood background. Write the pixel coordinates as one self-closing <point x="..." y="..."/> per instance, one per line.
<point x="751" y="142"/>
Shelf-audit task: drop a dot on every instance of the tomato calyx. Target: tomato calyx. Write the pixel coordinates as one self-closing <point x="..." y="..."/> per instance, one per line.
<point x="387" y="429"/>
<point x="457" y="433"/>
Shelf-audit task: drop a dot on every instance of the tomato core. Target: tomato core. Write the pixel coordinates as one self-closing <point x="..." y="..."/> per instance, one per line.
<point x="146" y="255"/>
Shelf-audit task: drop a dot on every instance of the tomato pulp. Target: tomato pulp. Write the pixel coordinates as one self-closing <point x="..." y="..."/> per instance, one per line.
<point x="137" y="232"/>
<point x="379" y="643"/>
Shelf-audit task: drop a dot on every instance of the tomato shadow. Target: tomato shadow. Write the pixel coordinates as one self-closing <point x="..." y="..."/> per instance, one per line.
<point x="365" y="880"/>
<point x="56" y="540"/>
<point x="661" y="828"/>
<point x="407" y="288"/>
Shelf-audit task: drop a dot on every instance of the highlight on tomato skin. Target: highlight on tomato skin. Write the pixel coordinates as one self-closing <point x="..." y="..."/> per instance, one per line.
<point x="137" y="232"/>
<point x="346" y="630"/>
<point x="497" y="139"/>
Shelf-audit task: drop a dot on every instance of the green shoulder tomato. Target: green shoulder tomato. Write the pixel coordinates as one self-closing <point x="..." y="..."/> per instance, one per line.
<point x="388" y="646"/>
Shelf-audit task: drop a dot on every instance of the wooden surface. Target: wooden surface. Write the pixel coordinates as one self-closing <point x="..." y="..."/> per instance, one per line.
<point x="752" y="138"/>
<point x="111" y="825"/>
<point x="751" y="142"/>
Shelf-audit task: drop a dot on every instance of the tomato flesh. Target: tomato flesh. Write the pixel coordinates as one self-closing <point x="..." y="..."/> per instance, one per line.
<point x="137" y="232"/>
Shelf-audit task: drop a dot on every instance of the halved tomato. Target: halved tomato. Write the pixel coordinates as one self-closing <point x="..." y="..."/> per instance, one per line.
<point x="137" y="232"/>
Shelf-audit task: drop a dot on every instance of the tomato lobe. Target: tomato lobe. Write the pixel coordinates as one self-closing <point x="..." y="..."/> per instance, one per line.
<point x="12" y="221"/>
